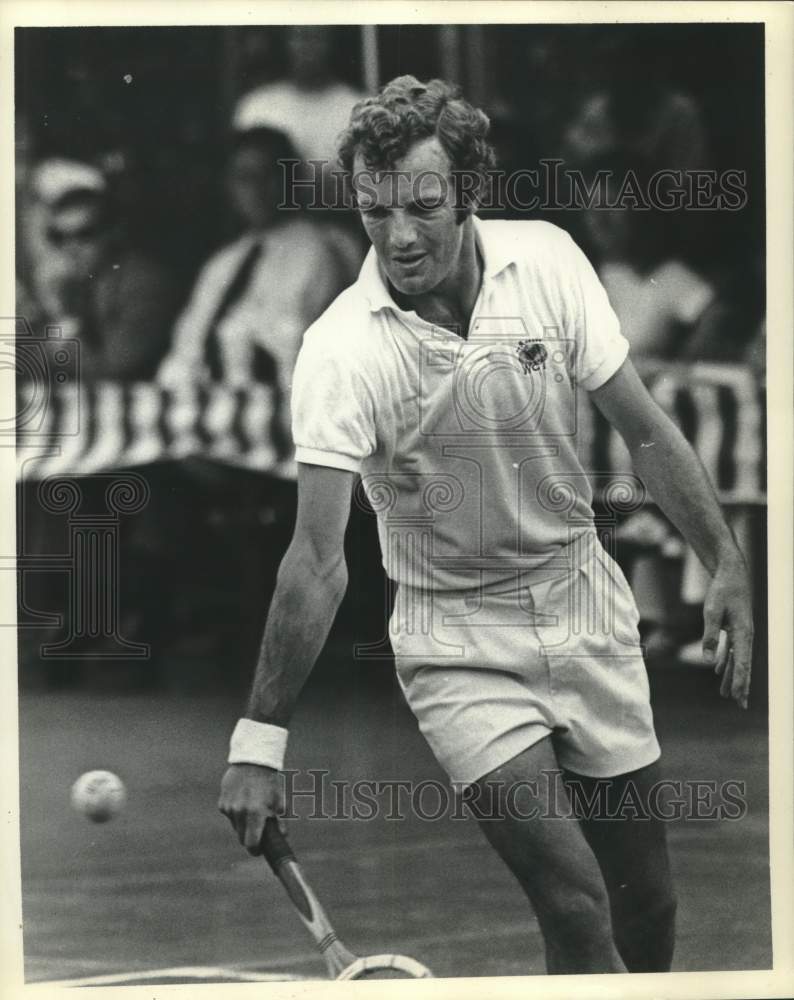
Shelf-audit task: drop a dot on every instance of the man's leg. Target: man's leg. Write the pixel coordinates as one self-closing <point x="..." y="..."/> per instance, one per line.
<point x="632" y="855"/>
<point x="551" y="859"/>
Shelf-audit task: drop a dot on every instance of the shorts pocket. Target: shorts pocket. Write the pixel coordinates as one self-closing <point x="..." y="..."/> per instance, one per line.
<point x="591" y="611"/>
<point x="624" y="614"/>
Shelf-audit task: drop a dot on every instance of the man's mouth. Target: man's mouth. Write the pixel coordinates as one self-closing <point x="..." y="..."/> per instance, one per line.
<point x="410" y="260"/>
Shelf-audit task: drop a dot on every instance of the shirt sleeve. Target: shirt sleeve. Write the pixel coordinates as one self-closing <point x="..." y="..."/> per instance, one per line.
<point x="599" y="346"/>
<point x="333" y="413"/>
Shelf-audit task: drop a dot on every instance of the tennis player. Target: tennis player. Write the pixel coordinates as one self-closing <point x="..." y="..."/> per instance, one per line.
<point x="447" y="378"/>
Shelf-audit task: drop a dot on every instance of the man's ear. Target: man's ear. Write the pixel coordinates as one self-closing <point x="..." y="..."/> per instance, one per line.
<point x="464" y="212"/>
<point x="468" y="192"/>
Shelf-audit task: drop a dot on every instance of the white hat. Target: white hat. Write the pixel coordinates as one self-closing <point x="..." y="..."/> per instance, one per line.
<point x="54" y="178"/>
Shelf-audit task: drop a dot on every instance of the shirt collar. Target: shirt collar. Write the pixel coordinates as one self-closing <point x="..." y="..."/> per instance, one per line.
<point x="497" y="254"/>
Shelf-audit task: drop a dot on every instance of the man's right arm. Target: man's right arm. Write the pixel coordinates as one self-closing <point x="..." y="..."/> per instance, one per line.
<point x="311" y="582"/>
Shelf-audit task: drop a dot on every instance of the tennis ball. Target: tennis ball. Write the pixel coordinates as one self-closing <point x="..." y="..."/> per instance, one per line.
<point x="99" y="795"/>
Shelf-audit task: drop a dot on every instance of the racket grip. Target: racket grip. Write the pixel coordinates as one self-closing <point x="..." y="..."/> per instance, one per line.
<point x="275" y="846"/>
<point x="279" y="856"/>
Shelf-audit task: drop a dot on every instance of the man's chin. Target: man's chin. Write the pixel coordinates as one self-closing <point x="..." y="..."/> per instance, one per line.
<point x="411" y="284"/>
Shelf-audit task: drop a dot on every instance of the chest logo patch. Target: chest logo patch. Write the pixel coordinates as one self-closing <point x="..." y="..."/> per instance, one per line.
<point x="532" y="354"/>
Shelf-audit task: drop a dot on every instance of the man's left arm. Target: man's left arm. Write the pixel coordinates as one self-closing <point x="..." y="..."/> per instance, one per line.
<point x="675" y="478"/>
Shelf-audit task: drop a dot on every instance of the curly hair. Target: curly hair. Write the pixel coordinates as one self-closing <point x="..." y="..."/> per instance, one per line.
<point x="384" y="127"/>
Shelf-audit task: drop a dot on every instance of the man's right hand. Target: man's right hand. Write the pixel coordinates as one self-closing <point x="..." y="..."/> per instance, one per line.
<point x="249" y="794"/>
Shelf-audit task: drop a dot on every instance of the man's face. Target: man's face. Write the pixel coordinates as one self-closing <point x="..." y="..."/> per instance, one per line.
<point x="78" y="233"/>
<point x="409" y="215"/>
<point x="252" y="179"/>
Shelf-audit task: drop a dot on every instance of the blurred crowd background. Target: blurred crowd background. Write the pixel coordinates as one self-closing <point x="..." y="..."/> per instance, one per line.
<point x="148" y="229"/>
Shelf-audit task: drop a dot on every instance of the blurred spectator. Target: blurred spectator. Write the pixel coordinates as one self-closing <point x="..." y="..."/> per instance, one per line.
<point x="254" y="298"/>
<point x="640" y="116"/>
<point x="244" y="321"/>
<point x="668" y="311"/>
<point x="311" y="106"/>
<point x="75" y="272"/>
<point x="79" y="275"/>
<point x="658" y="299"/>
<point x="632" y="101"/>
<point x="660" y="302"/>
<point x="732" y="327"/>
<point x="39" y="187"/>
<point x="666" y="308"/>
<point x="664" y="127"/>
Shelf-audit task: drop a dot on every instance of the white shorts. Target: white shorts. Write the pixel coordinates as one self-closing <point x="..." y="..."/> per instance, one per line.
<point x="489" y="672"/>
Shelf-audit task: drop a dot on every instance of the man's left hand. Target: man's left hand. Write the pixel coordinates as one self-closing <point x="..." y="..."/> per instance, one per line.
<point x="728" y="606"/>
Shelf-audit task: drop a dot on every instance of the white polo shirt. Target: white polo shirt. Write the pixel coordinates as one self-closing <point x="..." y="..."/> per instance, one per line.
<point x="467" y="448"/>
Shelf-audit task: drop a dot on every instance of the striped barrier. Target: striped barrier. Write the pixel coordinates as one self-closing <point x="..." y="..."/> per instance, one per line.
<point x="85" y="430"/>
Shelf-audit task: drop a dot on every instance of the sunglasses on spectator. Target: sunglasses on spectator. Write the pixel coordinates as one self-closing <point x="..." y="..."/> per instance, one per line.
<point x="59" y="237"/>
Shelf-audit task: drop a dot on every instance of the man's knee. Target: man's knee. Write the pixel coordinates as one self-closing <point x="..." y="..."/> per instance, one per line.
<point x="576" y="914"/>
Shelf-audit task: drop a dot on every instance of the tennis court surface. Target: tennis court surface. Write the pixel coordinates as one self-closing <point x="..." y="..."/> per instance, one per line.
<point x="164" y="894"/>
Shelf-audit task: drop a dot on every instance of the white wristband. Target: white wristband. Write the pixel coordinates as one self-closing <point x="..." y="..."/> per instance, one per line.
<point x="258" y="743"/>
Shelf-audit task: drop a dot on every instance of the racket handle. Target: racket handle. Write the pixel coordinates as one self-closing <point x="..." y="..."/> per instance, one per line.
<point x="275" y="846"/>
<point x="279" y="855"/>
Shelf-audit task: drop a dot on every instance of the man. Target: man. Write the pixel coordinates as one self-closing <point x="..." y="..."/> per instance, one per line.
<point x="78" y="273"/>
<point x="447" y="377"/>
<point x="310" y="105"/>
<point x="254" y="297"/>
<point x="118" y="303"/>
<point x="243" y="323"/>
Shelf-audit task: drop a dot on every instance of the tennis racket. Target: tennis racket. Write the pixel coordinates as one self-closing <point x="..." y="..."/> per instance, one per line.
<point x="342" y="963"/>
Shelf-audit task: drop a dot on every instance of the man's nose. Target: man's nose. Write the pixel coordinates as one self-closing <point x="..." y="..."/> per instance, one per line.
<point x="403" y="234"/>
